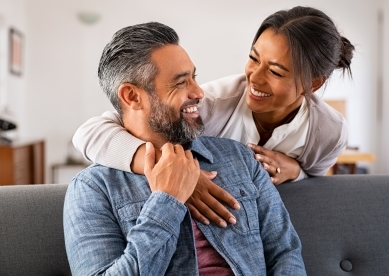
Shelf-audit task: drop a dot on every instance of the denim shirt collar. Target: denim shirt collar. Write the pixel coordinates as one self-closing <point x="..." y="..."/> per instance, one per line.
<point x="198" y="148"/>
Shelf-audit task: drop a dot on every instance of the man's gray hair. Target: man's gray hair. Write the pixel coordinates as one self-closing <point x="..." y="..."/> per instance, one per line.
<point x="127" y="58"/>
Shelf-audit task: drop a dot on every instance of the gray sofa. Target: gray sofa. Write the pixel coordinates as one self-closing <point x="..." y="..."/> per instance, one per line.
<point x="342" y="220"/>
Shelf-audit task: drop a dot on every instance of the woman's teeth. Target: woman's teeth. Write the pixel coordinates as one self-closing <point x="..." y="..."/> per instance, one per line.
<point x="190" y="109"/>
<point x="259" y="94"/>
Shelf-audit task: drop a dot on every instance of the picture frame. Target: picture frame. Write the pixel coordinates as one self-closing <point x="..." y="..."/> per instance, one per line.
<point x="15" y="52"/>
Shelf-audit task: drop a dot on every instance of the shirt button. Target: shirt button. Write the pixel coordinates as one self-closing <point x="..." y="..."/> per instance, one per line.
<point x="346" y="265"/>
<point x="242" y="193"/>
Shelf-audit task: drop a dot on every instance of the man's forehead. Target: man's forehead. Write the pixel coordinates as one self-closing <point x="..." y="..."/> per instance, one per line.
<point x="173" y="61"/>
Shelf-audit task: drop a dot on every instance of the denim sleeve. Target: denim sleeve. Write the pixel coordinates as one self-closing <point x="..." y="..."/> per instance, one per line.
<point x="96" y="244"/>
<point x="282" y="246"/>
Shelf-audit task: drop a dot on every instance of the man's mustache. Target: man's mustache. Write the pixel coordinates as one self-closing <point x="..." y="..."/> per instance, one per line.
<point x="189" y="103"/>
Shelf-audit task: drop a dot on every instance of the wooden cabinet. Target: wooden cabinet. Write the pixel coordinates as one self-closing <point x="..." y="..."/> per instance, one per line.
<point x="22" y="163"/>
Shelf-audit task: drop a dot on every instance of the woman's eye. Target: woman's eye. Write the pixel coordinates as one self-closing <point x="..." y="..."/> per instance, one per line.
<point x="275" y="73"/>
<point x="180" y="83"/>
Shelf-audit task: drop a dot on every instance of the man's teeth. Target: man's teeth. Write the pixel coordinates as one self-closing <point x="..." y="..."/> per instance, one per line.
<point x="190" y="109"/>
<point x="259" y="94"/>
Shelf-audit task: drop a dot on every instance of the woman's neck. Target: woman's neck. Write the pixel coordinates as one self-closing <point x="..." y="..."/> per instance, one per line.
<point x="266" y="123"/>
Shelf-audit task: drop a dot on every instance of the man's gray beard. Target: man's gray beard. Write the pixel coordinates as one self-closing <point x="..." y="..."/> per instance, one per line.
<point x="177" y="131"/>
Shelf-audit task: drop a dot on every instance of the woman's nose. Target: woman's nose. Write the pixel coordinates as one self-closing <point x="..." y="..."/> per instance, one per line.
<point x="258" y="75"/>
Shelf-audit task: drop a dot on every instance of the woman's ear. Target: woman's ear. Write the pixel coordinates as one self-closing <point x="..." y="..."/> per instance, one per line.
<point x="129" y="95"/>
<point x="317" y="83"/>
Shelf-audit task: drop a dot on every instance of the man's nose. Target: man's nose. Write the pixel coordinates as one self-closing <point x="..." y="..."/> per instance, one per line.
<point x="196" y="92"/>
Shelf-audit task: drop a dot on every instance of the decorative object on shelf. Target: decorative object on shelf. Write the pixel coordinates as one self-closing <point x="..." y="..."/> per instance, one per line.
<point x="15" y="52"/>
<point x="7" y="126"/>
<point x="89" y="17"/>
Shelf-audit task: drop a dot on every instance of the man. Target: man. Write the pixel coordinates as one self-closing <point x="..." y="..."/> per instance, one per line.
<point x="118" y="223"/>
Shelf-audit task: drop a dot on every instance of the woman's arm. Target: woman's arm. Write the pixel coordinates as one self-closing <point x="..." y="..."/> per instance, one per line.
<point x="105" y="141"/>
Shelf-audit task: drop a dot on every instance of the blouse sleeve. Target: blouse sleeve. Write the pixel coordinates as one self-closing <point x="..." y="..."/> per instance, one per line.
<point x="326" y="140"/>
<point x="105" y="141"/>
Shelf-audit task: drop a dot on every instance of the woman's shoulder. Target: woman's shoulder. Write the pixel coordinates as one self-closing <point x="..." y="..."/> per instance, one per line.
<point x="326" y="123"/>
<point x="323" y="113"/>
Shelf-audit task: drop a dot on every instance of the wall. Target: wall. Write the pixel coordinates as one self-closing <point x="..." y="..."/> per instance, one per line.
<point x="12" y="87"/>
<point x="383" y="133"/>
<point x="59" y="90"/>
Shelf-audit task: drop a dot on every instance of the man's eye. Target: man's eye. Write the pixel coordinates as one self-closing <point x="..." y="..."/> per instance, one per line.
<point x="180" y="83"/>
<point x="253" y="58"/>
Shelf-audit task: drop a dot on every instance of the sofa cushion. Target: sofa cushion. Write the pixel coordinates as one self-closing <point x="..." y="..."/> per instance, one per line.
<point x="343" y="223"/>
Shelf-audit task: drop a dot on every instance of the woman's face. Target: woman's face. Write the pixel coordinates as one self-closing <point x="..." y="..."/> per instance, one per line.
<point x="269" y="74"/>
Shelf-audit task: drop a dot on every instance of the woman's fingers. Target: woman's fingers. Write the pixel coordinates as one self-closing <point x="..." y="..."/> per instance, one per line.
<point x="223" y="196"/>
<point x="204" y="212"/>
<point x="206" y="202"/>
<point x="280" y="167"/>
<point x="257" y="149"/>
<point x="268" y="163"/>
<point x="196" y="214"/>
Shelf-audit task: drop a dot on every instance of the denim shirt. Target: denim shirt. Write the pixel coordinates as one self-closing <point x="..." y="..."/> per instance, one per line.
<point x="115" y="225"/>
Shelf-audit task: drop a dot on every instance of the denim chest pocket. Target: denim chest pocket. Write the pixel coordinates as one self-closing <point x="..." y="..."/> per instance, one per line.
<point x="247" y="219"/>
<point x="128" y="214"/>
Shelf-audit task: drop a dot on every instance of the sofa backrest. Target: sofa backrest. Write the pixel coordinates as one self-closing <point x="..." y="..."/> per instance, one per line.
<point x="343" y="223"/>
<point x="31" y="231"/>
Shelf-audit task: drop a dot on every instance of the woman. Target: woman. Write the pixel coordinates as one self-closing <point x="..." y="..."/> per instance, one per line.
<point x="272" y="108"/>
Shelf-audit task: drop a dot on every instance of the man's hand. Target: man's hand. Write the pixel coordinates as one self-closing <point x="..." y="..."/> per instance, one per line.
<point x="204" y="203"/>
<point x="280" y="167"/>
<point x="176" y="172"/>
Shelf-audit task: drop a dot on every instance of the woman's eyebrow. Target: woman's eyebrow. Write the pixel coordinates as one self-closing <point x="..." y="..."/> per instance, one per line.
<point x="279" y="65"/>
<point x="271" y="62"/>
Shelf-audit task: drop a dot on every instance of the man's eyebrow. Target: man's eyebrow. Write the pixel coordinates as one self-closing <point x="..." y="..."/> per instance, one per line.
<point x="271" y="62"/>
<point x="183" y="74"/>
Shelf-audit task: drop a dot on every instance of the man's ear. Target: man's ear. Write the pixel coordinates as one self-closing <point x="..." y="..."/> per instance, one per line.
<point x="129" y="95"/>
<point x="317" y="83"/>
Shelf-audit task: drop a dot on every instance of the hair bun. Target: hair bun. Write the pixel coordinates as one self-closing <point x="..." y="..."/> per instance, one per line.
<point x="346" y="54"/>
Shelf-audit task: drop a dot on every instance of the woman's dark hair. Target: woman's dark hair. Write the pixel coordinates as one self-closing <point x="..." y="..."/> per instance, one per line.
<point x="316" y="47"/>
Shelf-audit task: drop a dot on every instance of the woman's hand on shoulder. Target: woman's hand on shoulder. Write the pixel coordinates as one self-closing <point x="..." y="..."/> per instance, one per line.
<point x="280" y="167"/>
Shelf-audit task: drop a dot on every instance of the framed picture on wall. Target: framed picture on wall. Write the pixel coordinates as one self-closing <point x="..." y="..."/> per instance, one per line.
<point x="15" y="52"/>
